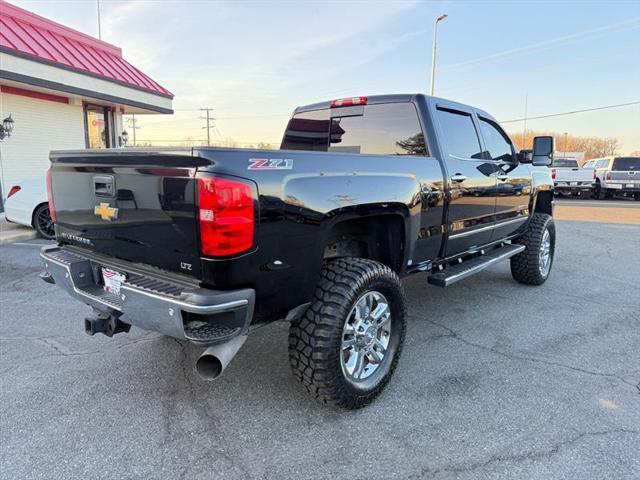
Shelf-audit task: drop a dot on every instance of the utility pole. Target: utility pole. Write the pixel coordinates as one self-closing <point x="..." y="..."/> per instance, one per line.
<point x="133" y="126"/>
<point x="524" y="129"/>
<point x="433" y="53"/>
<point x="210" y="124"/>
<point x="99" y="23"/>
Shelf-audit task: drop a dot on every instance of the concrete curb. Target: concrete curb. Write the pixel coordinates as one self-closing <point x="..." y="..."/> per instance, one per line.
<point x="16" y="237"/>
<point x="12" y="232"/>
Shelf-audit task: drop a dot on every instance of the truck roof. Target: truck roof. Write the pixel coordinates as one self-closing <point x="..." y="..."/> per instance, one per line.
<point x="372" y="99"/>
<point x="395" y="98"/>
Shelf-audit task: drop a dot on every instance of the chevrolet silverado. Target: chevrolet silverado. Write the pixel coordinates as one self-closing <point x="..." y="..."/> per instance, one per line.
<point x="208" y="244"/>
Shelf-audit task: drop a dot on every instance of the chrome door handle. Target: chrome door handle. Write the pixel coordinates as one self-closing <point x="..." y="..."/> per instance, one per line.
<point x="502" y="176"/>
<point x="458" y="177"/>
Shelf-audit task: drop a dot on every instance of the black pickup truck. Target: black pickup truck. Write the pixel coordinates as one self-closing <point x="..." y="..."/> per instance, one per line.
<point x="208" y="244"/>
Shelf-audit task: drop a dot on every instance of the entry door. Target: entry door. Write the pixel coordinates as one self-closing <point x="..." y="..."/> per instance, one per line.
<point x="471" y="181"/>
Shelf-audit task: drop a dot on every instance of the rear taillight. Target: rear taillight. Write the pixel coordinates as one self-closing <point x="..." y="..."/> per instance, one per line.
<point x="609" y="176"/>
<point x="349" y="102"/>
<point x="52" y="210"/>
<point x="15" y="189"/>
<point x="226" y="215"/>
<point x="553" y="174"/>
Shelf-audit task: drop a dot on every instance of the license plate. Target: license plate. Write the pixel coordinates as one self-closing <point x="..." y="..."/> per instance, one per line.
<point x="630" y="185"/>
<point x="112" y="280"/>
<point x="573" y="184"/>
<point x="617" y="186"/>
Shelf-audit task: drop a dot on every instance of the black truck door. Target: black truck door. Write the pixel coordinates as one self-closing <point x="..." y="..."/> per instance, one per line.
<point x="470" y="177"/>
<point x="513" y="180"/>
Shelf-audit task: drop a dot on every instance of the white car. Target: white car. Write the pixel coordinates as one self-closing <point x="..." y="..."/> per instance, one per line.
<point x="27" y="204"/>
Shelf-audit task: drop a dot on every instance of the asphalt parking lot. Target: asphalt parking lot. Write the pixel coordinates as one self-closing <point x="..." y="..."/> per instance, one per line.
<point x="497" y="380"/>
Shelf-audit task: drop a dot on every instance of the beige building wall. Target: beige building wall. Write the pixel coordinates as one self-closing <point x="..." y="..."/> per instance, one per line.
<point x="40" y="126"/>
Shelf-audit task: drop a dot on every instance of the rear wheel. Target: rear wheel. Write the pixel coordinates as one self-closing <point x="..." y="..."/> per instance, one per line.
<point x="347" y="345"/>
<point x="533" y="265"/>
<point x="42" y="222"/>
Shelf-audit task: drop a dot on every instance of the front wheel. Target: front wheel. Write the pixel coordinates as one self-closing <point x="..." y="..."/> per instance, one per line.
<point x="533" y="265"/>
<point x="347" y="345"/>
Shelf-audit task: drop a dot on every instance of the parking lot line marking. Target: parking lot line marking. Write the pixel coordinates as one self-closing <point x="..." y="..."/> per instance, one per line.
<point x="31" y="244"/>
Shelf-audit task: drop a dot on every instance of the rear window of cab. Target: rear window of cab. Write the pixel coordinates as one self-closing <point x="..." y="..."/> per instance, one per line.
<point x="565" y="163"/>
<point x="378" y="129"/>
<point x="626" y="163"/>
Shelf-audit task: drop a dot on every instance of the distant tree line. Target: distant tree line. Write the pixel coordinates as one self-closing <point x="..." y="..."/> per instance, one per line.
<point x="594" y="147"/>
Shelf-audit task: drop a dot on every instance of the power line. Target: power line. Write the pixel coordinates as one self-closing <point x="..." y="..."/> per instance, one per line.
<point x="572" y="112"/>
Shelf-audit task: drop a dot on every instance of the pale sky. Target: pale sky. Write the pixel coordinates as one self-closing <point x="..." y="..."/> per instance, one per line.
<point x="254" y="61"/>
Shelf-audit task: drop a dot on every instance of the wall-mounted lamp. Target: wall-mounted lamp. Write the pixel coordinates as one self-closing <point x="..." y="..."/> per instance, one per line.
<point x="6" y="128"/>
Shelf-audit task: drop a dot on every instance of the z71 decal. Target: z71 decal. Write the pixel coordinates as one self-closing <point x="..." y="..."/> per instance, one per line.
<point x="270" y="164"/>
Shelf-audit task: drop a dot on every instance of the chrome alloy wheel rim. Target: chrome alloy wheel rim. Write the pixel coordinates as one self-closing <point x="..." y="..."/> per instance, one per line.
<point x="544" y="255"/>
<point x="365" y="336"/>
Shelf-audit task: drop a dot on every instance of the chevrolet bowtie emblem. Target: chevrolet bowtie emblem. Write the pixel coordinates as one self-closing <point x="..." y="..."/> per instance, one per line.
<point x="106" y="212"/>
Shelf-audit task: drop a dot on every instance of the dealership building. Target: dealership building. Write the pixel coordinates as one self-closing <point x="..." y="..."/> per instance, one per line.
<point x="61" y="89"/>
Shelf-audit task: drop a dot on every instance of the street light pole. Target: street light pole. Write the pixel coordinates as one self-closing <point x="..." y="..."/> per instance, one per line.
<point x="433" y="53"/>
<point x="565" y="144"/>
<point x="99" y="22"/>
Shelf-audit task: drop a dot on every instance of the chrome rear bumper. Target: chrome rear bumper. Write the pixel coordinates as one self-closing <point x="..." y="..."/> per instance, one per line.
<point x="175" y="308"/>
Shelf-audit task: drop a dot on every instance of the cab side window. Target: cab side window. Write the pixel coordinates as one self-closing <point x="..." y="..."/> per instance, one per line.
<point x="308" y="131"/>
<point x="460" y="137"/>
<point x="497" y="142"/>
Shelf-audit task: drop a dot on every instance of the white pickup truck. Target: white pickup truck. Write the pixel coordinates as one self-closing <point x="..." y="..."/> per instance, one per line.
<point x="569" y="178"/>
<point x="616" y="176"/>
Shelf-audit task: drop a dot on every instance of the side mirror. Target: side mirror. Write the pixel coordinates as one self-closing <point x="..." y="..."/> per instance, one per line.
<point x="525" y="156"/>
<point x="542" y="151"/>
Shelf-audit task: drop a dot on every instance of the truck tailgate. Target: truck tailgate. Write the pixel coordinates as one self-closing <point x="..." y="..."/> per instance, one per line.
<point x="574" y="175"/>
<point x="136" y="206"/>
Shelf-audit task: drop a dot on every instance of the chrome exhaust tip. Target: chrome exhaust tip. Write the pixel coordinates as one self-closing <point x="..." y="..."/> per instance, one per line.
<point x="214" y="360"/>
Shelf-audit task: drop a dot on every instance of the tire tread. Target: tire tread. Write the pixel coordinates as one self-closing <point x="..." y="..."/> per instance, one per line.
<point x="524" y="266"/>
<point x="313" y="339"/>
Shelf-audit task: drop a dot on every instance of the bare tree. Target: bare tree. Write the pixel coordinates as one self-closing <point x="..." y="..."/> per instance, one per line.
<point x="593" y="147"/>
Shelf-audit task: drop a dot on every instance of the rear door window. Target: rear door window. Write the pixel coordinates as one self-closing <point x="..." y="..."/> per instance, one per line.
<point x="460" y="137"/>
<point x="497" y="142"/>
<point x="308" y="131"/>
<point x="626" y="163"/>
<point x="384" y="129"/>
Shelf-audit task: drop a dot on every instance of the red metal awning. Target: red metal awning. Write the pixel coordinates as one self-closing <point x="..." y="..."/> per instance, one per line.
<point x="32" y="36"/>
